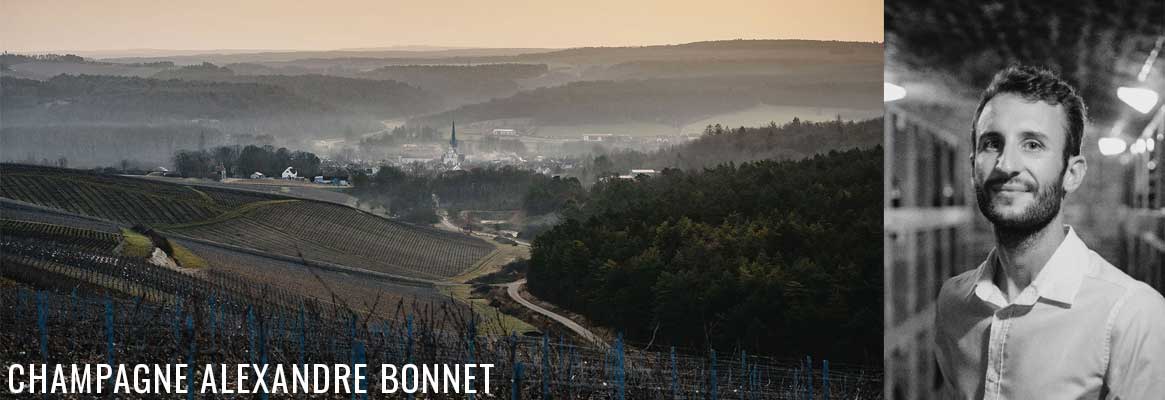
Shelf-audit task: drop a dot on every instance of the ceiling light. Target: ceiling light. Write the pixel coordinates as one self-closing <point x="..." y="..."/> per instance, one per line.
<point x="1139" y="99"/>
<point x="1111" y="146"/>
<point x="1138" y="147"/>
<point x="892" y="92"/>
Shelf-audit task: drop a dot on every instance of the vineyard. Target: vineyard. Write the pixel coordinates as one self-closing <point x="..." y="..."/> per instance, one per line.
<point x="94" y="309"/>
<point x="336" y="287"/>
<point x="27" y="212"/>
<point x="116" y="198"/>
<point x="288" y="227"/>
<point x="59" y="235"/>
<point x="73" y="232"/>
<point x="280" y="187"/>
<point x="342" y="235"/>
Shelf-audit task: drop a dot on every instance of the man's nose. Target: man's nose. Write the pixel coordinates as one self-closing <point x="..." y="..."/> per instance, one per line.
<point x="1008" y="160"/>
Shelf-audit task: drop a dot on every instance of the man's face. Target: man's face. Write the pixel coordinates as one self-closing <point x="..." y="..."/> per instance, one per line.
<point x="1018" y="162"/>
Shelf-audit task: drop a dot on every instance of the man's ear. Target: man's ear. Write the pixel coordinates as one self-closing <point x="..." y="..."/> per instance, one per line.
<point x="972" y="169"/>
<point x="1074" y="173"/>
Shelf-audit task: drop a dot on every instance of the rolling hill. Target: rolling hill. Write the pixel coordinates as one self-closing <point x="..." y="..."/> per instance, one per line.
<point x="286" y="227"/>
<point x="674" y="102"/>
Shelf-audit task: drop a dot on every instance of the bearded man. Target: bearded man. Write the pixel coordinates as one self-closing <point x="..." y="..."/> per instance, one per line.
<point x="1043" y="317"/>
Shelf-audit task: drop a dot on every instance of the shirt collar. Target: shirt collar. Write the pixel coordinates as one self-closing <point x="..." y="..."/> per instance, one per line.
<point x="1059" y="280"/>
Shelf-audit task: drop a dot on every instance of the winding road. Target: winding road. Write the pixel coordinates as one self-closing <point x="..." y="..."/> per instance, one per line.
<point x="513" y="289"/>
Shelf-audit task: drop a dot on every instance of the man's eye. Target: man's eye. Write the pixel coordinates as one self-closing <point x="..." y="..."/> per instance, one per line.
<point x="990" y="144"/>
<point x="1032" y="145"/>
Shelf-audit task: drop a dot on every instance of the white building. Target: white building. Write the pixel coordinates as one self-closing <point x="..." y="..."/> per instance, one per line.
<point x="452" y="158"/>
<point x="601" y="137"/>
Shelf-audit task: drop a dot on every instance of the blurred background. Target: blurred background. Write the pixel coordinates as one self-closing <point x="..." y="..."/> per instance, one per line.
<point x="939" y="57"/>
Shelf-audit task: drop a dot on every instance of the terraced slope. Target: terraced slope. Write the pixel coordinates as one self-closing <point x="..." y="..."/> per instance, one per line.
<point x="47" y="235"/>
<point x="117" y="198"/>
<point x="290" y="227"/>
<point x="59" y="235"/>
<point x="342" y="235"/>
<point x="320" y="284"/>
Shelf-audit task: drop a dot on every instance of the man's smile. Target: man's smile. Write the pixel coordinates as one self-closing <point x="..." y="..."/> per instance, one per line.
<point x="1010" y="187"/>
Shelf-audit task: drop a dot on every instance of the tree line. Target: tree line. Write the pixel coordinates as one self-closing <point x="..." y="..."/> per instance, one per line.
<point x="7" y="58"/>
<point x="241" y="162"/>
<point x="409" y="195"/>
<point x="719" y="144"/>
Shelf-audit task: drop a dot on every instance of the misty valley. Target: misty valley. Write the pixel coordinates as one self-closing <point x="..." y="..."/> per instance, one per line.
<point x="666" y="220"/>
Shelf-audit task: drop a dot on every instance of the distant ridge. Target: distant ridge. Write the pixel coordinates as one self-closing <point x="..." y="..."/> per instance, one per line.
<point x="472" y="54"/>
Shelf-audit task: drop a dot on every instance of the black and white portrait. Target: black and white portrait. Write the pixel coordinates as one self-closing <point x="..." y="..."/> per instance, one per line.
<point x="1023" y="200"/>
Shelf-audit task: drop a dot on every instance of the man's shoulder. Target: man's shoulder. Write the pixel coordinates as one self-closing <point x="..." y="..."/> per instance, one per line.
<point x="1102" y="271"/>
<point x="1137" y="297"/>
<point x="959" y="285"/>
<point x="953" y="301"/>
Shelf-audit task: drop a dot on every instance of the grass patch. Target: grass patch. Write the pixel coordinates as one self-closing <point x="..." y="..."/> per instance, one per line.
<point x="187" y="258"/>
<point x="494" y="321"/>
<point x="8" y="283"/>
<point x="135" y="244"/>
<point x="502" y="255"/>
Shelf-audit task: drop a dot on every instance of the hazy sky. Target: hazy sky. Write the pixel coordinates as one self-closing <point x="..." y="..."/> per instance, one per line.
<point x="41" y="25"/>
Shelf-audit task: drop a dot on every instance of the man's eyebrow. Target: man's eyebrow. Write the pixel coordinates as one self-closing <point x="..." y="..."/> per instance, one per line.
<point x="1034" y="134"/>
<point x="991" y="134"/>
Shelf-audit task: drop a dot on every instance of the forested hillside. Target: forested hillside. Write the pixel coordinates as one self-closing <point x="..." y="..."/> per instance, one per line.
<point x="461" y="83"/>
<point x="720" y="145"/>
<point x="380" y="98"/>
<point x="68" y="98"/>
<point x="668" y="101"/>
<point x="777" y="257"/>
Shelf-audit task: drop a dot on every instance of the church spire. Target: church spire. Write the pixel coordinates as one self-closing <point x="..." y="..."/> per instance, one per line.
<point x="453" y="138"/>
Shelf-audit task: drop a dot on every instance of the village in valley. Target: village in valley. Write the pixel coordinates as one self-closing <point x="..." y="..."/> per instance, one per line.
<point x="557" y="211"/>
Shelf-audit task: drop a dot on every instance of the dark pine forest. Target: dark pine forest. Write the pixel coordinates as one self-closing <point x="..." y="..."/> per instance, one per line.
<point x="774" y="257"/>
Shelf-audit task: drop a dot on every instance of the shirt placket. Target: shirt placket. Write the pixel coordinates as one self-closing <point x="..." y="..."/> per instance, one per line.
<point x="1000" y="324"/>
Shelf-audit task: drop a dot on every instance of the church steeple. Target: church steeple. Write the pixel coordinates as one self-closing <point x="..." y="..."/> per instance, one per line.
<point x="453" y="137"/>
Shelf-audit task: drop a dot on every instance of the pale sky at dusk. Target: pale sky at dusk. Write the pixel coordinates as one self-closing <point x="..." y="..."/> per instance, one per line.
<point x="44" y="25"/>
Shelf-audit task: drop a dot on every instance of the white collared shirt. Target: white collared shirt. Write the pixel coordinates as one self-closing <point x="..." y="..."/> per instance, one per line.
<point x="1081" y="330"/>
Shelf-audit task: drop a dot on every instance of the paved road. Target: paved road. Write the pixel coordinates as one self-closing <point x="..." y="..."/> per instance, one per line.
<point x="512" y="289"/>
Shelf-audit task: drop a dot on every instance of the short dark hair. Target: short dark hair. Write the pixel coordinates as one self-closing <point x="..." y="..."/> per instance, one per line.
<point x="1039" y="84"/>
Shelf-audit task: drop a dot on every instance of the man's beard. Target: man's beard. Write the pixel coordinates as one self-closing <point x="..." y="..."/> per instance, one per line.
<point x="1034" y="218"/>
